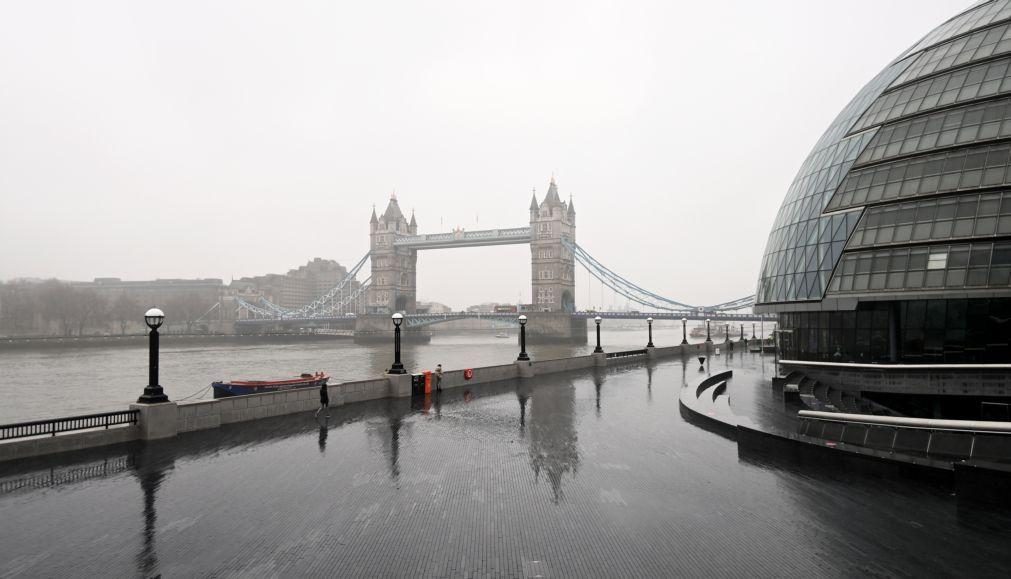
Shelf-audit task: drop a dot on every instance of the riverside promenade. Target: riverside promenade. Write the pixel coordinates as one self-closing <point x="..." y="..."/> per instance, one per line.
<point x="586" y="473"/>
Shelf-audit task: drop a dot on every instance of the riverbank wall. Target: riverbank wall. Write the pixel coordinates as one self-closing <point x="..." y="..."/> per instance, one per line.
<point x="167" y="420"/>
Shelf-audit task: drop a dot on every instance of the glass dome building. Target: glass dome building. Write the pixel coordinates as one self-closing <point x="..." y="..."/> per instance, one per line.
<point x="893" y="245"/>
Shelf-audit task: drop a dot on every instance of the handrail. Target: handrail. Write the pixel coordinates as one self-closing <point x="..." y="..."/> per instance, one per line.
<point x="904" y="421"/>
<point x="899" y="366"/>
<point x="714" y="379"/>
<point x="67" y="424"/>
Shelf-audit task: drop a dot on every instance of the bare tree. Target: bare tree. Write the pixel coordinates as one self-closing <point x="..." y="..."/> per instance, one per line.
<point x="19" y="305"/>
<point x="186" y="308"/>
<point x="91" y="308"/>
<point x="57" y="302"/>
<point x="125" y="309"/>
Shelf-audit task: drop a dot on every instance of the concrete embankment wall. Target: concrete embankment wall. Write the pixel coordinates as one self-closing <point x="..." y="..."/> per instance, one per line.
<point x="167" y="420"/>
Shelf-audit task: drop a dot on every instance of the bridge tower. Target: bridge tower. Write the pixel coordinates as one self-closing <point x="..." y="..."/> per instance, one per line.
<point x="394" y="270"/>
<point x="553" y="281"/>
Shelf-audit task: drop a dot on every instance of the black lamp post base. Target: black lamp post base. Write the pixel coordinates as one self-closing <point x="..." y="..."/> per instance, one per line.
<point x="684" y="342"/>
<point x="523" y="357"/>
<point x="598" y="350"/>
<point x="153" y="395"/>
<point x="397" y="369"/>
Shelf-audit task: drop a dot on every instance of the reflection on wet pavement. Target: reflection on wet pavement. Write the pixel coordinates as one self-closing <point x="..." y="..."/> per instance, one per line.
<point x="583" y="474"/>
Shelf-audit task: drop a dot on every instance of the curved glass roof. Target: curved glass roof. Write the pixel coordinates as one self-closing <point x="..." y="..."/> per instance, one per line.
<point x="931" y="128"/>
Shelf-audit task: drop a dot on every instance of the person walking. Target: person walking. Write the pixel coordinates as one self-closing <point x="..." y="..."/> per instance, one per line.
<point x="438" y="377"/>
<point x="324" y="400"/>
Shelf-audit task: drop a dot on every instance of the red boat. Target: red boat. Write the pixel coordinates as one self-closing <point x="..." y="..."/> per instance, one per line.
<point x="243" y="387"/>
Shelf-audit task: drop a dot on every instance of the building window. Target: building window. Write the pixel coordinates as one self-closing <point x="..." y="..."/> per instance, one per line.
<point x="546" y="295"/>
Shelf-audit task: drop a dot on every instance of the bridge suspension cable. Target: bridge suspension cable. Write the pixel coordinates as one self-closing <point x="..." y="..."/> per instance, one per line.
<point x="639" y="295"/>
<point x="342" y="299"/>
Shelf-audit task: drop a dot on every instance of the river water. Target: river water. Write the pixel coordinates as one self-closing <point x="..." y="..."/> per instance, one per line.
<point x="50" y="383"/>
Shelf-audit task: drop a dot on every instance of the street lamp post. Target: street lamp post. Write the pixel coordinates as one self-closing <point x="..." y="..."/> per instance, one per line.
<point x="709" y="338"/>
<point x="743" y="339"/>
<point x="726" y="332"/>
<point x="649" y="322"/>
<point x="752" y="330"/>
<point x="598" y="349"/>
<point x="523" y="339"/>
<point x="684" y="331"/>
<point x="153" y="393"/>
<point x="398" y="367"/>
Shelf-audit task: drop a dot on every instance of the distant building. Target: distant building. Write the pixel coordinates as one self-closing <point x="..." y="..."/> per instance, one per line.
<point x="433" y="308"/>
<point x="485" y="308"/>
<point x="299" y="286"/>
<point x="154" y="292"/>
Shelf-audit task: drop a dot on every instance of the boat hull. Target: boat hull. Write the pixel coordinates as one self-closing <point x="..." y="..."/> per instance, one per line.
<point x="226" y="389"/>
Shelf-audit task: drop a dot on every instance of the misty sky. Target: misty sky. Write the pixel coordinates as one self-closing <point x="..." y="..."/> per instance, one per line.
<point x="219" y="139"/>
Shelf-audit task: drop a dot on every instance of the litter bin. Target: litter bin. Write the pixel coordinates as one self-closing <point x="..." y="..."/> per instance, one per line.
<point x="417" y="384"/>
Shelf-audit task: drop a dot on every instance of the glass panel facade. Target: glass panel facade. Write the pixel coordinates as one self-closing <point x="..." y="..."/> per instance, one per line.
<point x="966" y="49"/>
<point x="962" y="217"/>
<point x="953" y="127"/>
<point x="946" y="172"/>
<point x="804" y="245"/>
<point x="958" y="86"/>
<point x="978" y="16"/>
<point x="919" y="158"/>
<point x="954" y="331"/>
<point x="976" y="265"/>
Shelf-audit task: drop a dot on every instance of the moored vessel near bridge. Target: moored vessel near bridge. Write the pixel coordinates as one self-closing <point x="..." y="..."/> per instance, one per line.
<point x="243" y="387"/>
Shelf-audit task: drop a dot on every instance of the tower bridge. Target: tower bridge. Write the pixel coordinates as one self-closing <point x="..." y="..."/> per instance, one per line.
<point x="394" y="243"/>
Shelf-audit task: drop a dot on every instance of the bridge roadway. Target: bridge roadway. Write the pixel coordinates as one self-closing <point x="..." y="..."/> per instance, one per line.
<point x="418" y="320"/>
<point x="461" y="238"/>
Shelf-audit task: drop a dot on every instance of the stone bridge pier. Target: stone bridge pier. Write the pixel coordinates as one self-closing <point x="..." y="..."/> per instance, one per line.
<point x="555" y="328"/>
<point x="373" y="328"/>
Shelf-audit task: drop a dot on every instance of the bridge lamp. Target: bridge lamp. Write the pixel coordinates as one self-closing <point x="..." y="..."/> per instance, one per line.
<point x="649" y="323"/>
<point x="598" y="349"/>
<point x="523" y="338"/>
<point x="153" y="393"/>
<point x="709" y="338"/>
<point x="684" y="331"/>
<point x="398" y="367"/>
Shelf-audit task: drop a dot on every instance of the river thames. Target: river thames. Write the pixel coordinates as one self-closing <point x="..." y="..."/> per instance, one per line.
<point x="37" y="384"/>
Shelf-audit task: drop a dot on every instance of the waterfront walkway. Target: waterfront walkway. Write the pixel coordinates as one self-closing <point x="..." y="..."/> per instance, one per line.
<point x="583" y="474"/>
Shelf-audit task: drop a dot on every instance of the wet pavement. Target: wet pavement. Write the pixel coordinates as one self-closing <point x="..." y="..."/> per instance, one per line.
<point x="568" y="475"/>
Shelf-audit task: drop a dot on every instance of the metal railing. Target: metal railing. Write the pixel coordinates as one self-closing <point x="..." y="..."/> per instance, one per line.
<point x="626" y="354"/>
<point x="934" y="438"/>
<point x="67" y="424"/>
